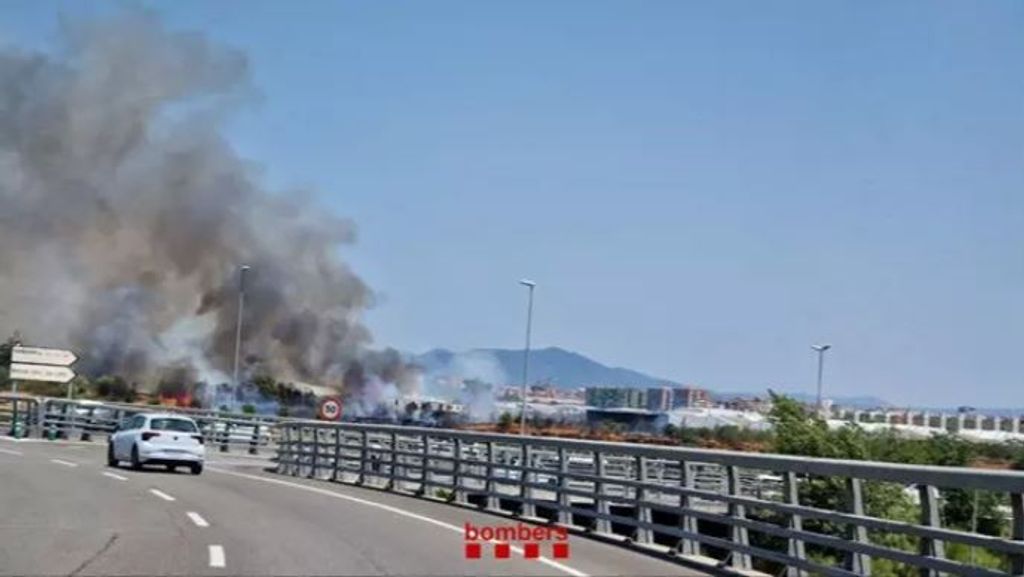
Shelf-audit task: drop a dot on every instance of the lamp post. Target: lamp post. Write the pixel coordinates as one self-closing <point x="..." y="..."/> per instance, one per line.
<point x="526" y="353"/>
<point x="821" y="364"/>
<point x="238" y="327"/>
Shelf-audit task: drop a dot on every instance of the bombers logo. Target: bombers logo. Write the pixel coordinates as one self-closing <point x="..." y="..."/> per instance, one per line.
<point x="530" y="536"/>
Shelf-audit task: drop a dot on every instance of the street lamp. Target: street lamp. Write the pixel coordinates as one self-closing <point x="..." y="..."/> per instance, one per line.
<point x="526" y="353"/>
<point x="238" y="327"/>
<point x="821" y="363"/>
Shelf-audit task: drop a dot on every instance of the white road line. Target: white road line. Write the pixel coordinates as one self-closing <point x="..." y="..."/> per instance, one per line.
<point x="65" y="463"/>
<point x="460" y="530"/>
<point x="199" y="521"/>
<point x="161" y="494"/>
<point x="10" y="452"/>
<point x="115" y="476"/>
<point x="216" y="556"/>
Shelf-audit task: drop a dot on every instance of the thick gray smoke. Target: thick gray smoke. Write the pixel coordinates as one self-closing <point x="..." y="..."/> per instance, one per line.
<point x="124" y="217"/>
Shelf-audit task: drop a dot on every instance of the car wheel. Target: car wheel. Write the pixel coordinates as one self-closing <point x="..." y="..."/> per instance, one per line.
<point x="136" y="463"/>
<point x="196" y="468"/>
<point x="170" y="468"/>
<point x="111" y="460"/>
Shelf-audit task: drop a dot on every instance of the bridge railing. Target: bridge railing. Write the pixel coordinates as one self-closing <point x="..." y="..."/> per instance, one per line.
<point x="22" y="415"/>
<point x="730" y="511"/>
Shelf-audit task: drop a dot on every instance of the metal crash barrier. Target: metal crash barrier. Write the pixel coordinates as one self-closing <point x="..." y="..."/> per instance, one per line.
<point x="728" y="512"/>
<point x="51" y="418"/>
<point x="19" y="415"/>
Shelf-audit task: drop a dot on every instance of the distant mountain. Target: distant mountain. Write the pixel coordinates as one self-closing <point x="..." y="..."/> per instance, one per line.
<point x="555" y="366"/>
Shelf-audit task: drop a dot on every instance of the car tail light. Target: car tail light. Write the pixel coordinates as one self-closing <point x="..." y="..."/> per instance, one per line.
<point x="198" y="438"/>
<point x="149" y="435"/>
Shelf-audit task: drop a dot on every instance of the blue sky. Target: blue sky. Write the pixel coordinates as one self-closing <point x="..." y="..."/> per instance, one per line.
<point x="700" y="189"/>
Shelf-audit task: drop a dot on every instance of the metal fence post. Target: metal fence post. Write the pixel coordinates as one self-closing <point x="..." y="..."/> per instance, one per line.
<point x="255" y="441"/>
<point x="643" y="514"/>
<point x="459" y="495"/>
<point x="738" y="534"/>
<point x="796" y="523"/>
<point x="392" y="482"/>
<point x="564" y="515"/>
<point x="225" y="438"/>
<point x="687" y="522"/>
<point x="335" y="470"/>
<point x="527" y="509"/>
<point x="930" y="547"/>
<point x="601" y="504"/>
<point x="315" y="466"/>
<point x="282" y="450"/>
<point x="363" y="457"/>
<point x="15" y="430"/>
<point x="493" y="503"/>
<point x="425" y="465"/>
<point x="1017" y="531"/>
<point x="857" y="562"/>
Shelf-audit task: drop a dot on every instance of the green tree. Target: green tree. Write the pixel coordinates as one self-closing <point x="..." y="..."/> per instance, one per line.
<point x="505" y="422"/>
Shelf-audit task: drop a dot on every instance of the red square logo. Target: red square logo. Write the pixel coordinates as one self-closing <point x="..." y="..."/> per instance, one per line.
<point x="502" y="551"/>
<point x="472" y="550"/>
<point x="560" y="550"/>
<point x="531" y="550"/>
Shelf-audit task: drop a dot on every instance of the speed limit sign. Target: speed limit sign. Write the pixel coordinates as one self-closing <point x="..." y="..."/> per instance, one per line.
<point x="330" y="409"/>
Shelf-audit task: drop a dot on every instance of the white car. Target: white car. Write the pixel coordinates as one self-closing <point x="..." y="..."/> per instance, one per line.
<point x="158" y="439"/>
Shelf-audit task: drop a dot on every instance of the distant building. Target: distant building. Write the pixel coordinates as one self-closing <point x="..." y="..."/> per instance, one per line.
<point x="690" y="397"/>
<point x="755" y="405"/>
<point x="659" y="399"/>
<point x="616" y="398"/>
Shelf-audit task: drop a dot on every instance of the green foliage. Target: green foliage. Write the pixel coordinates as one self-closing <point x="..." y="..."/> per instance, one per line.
<point x="266" y="385"/>
<point x="505" y="422"/>
<point x="248" y="409"/>
<point x="113" y="388"/>
<point x="797" y="431"/>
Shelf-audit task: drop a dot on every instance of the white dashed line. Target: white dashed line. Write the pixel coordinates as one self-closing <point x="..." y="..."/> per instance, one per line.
<point x="216" y="556"/>
<point x="161" y="494"/>
<point x="10" y="452"/>
<point x="115" y="476"/>
<point x="550" y="563"/>
<point x="199" y="521"/>
<point x="65" y="463"/>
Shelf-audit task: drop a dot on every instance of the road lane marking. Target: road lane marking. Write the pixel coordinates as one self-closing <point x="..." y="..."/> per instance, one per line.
<point x="11" y="452"/>
<point x="460" y="530"/>
<point x="199" y="521"/>
<point x="216" y="556"/>
<point x="65" y="463"/>
<point x="161" y="494"/>
<point x="115" y="476"/>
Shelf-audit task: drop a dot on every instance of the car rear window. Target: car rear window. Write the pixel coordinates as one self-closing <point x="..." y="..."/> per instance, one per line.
<point x="179" y="425"/>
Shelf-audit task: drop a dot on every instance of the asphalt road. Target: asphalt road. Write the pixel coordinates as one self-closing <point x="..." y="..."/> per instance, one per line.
<point x="63" y="512"/>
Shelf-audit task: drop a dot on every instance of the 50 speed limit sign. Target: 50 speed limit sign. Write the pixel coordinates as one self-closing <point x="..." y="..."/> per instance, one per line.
<point x="330" y="409"/>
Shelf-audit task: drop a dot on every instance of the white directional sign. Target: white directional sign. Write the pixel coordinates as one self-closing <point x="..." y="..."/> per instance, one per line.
<point x="40" y="356"/>
<point x="22" y="372"/>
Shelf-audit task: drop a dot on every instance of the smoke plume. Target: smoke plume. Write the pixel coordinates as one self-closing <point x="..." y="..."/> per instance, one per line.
<point x="126" y="215"/>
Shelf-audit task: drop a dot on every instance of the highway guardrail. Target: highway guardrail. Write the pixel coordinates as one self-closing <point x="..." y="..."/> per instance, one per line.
<point x="82" y="419"/>
<point x="659" y="498"/>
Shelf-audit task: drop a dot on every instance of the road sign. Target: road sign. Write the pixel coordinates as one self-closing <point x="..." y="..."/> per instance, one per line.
<point x="53" y="374"/>
<point x="330" y="409"/>
<point x="40" y="356"/>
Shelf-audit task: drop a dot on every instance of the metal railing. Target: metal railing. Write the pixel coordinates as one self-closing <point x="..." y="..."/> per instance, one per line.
<point x="25" y="416"/>
<point x="729" y="511"/>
